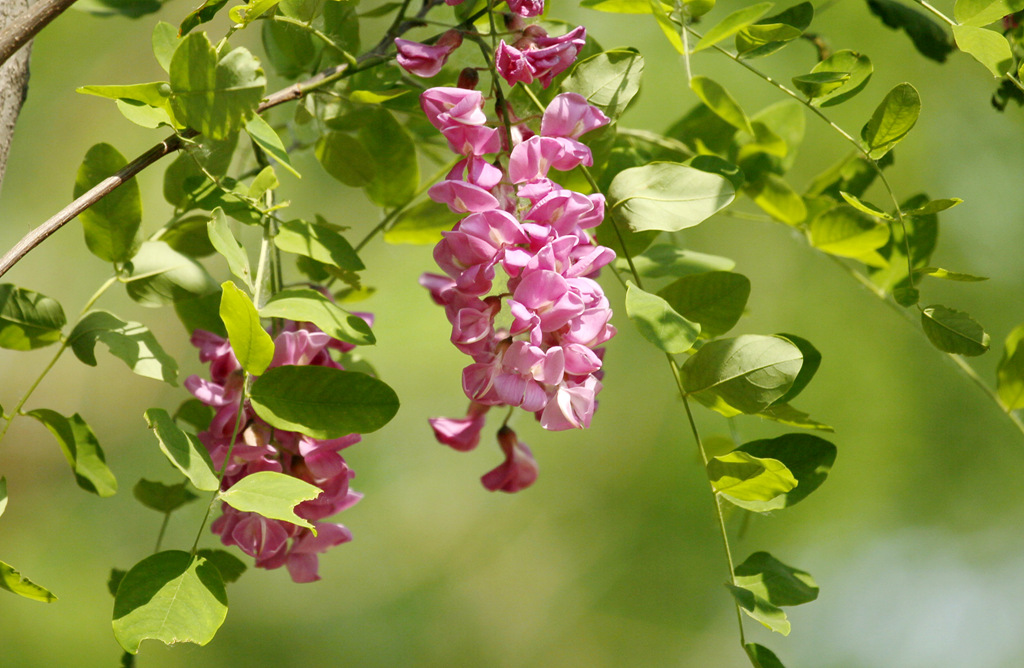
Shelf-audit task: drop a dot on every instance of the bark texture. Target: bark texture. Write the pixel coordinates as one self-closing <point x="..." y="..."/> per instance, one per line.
<point x="13" y="82"/>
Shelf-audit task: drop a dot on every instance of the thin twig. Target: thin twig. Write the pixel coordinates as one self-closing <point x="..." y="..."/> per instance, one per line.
<point x="18" y="33"/>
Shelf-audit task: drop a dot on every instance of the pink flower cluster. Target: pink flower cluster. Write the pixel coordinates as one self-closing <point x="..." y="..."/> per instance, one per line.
<point x="258" y="447"/>
<point x="547" y="361"/>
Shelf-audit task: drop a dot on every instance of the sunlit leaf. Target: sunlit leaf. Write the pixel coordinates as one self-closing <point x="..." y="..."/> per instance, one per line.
<point x="934" y="206"/>
<point x="749" y="372"/>
<point x="658" y="322"/>
<point x="165" y="40"/>
<point x="808" y="459"/>
<point x="770" y="579"/>
<point x="667" y="196"/>
<point x="271" y="494"/>
<point x="954" y="331"/>
<point x="771" y="616"/>
<point x="718" y="100"/>
<point x="845" y="232"/>
<point x="321" y="402"/>
<point x="983" y="12"/>
<point x="742" y="476"/>
<point x="715" y="299"/>
<point x="183" y="450"/>
<point x="171" y="597"/>
<point x="892" y="120"/>
<point x="1010" y="373"/>
<point x="856" y="65"/>
<point x="318" y="242"/>
<point x="231" y="567"/>
<point x="945" y="274"/>
<point x="16" y="583"/>
<point x="225" y="243"/>
<point x="762" y="657"/>
<point x="131" y="342"/>
<point x="731" y="25"/>
<point x="665" y="260"/>
<point x="28" y="320"/>
<point x="160" y="275"/>
<point x="306" y="305"/>
<point x="607" y="80"/>
<point x="80" y="447"/>
<point x="250" y="342"/>
<point x="3" y="495"/>
<point x="268" y="140"/>
<point x="988" y="47"/>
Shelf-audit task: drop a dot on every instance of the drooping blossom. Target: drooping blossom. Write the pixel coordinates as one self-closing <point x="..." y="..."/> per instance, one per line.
<point x="538" y="56"/>
<point x="258" y="447"/>
<point x="518" y="471"/>
<point x="426" y="60"/>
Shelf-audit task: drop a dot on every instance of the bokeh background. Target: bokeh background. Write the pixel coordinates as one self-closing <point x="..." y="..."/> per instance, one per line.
<point x="612" y="558"/>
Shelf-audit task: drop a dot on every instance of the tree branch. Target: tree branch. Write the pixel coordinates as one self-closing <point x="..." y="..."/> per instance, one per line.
<point x="28" y="23"/>
<point x="13" y="82"/>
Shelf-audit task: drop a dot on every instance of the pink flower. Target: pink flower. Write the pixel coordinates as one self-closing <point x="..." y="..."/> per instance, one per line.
<point x="302" y="559"/>
<point x="461" y="434"/>
<point x="447" y="106"/>
<point x="538" y="55"/>
<point x="518" y="471"/>
<point x="570" y="115"/>
<point x="526" y="8"/>
<point x="462" y="197"/>
<point x="532" y="159"/>
<point x="424" y="60"/>
<point x="572" y="406"/>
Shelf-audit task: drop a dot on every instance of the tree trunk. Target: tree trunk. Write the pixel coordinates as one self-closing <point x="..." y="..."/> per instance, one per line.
<point x="13" y="83"/>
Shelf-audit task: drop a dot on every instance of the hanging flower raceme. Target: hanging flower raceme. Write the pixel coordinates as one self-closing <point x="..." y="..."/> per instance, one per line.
<point x="547" y="358"/>
<point x="258" y="447"/>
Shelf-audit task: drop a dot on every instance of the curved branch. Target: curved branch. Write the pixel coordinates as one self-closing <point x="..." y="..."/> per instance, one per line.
<point x="28" y="23"/>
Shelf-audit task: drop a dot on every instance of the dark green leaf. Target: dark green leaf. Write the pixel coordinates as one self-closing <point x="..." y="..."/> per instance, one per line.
<point x="808" y="458"/>
<point x="114" y="581"/>
<point x="346" y="159"/>
<point x="160" y="497"/>
<point x="194" y="414"/>
<point x="160" y="275"/>
<point x="619" y="6"/>
<point x="230" y="566"/>
<point x="224" y="242"/>
<point x="183" y="450"/>
<point x="667" y="196"/>
<point x="201" y="312"/>
<point x="322" y="402"/>
<point x="658" y="322"/>
<point x="421" y="224"/>
<point x="81" y="449"/>
<point x="892" y="120"/>
<point x="306" y="305"/>
<point x="812" y="360"/>
<point x="14" y="582"/>
<point x="774" y="581"/>
<point x="731" y="25"/>
<point x="928" y="36"/>
<point x="1010" y="374"/>
<point x="171" y="597"/>
<point x="111" y="224"/>
<point x="664" y="260"/>
<point x="607" y="80"/>
<point x="185" y="182"/>
<point x="934" y="206"/>
<point x="954" y="331"/>
<point x="28" y="320"/>
<point x="772" y="617"/>
<point x="189" y="237"/>
<point x="318" y="242"/>
<point x="742" y="476"/>
<point x="762" y="657"/>
<point x="749" y="372"/>
<point x="130" y="8"/>
<point x="200" y="15"/>
<point x="250" y="342"/>
<point x="272" y="495"/>
<point x="131" y="342"/>
<point x="268" y="139"/>
<point x="214" y="96"/>
<point x="715" y="299"/>
<point x="819" y="84"/>
<point x="857" y="66"/>
<point x="393" y="153"/>
<point x="292" y="50"/>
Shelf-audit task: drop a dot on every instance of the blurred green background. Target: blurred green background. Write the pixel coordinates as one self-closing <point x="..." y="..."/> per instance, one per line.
<point x="612" y="558"/>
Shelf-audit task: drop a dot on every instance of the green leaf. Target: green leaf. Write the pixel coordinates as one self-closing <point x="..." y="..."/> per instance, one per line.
<point x="189" y="237"/>
<point x="421" y="224"/>
<point x="225" y="243"/>
<point x="812" y="360"/>
<point x="846" y="232"/>
<point x="668" y="28"/>
<point x="667" y="196"/>
<point x="667" y="260"/>
<point x="786" y="414"/>
<point x="250" y="342"/>
<point x="770" y="579"/>
<point x="272" y="495"/>
<point x="80" y="447"/>
<point x="778" y="199"/>
<point x="130" y="8"/>
<point x="165" y="40"/>
<point x="892" y="120"/>
<point x="938" y="272"/>
<point x="321" y="402"/>
<point x="145" y="115"/>
<point x="346" y="159"/>
<point x="393" y="154"/>
<point x="857" y="66"/>
<point x="928" y="36"/>
<point x="160" y="275"/>
<point x="619" y="6"/>
<point x="658" y="322"/>
<point x="268" y="140"/>
<point x="156" y="94"/>
<point x="318" y="242"/>
<point x="608" y="80"/>
<point x="111" y="224"/>
<point x="160" y="497"/>
<point x="731" y="25"/>
<point x="185" y="182"/>
<point x="230" y="566"/>
<point x="214" y="96"/>
<point x="819" y="84"/>
<point x="185" y="452"/>
<point x="934" y="206"/>
<point x="200" y="15"/>
<point x="771" y="616"/>
<point x="719" y="101"/>
<point x="28" y="320"/>
<point x="865" y="207"/>
<point x="306" y="305"/>
<point x="808" y="458"/>
<point x="291" y="49"/>
<point x="245" y="14"/>
<point x="762" y="657"/>
<point x="131" y="342"/>
<point x="715" y="299"/>
<point x="194" y="414"/>
<point x="171" y="597"/>
<point x="749" y="372"/>
<point x="264" y="181"/>
<point x="954" y="331"/>
<point x="3" y="495"/>
<point x="742" y="476"/>
<point x="983" y="12"/>
<point x="1010" y="373"/>
<point x="772" y="33"/>
<point x="14" y="582"/>
<point x="988" y="47"/>
<point x="114" y="581"/>
<point x="201" y="312"/>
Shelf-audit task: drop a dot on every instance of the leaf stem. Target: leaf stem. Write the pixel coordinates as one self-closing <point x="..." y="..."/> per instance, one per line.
<point x="937" y="13"/>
